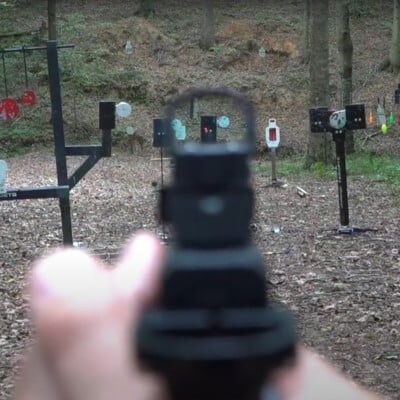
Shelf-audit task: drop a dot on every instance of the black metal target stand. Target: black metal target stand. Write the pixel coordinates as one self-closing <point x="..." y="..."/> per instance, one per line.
<point x="338" y="122"/>
<point x="339" y="137"/>
<point x="65" y="182"/>
<point x="161" y="140"/>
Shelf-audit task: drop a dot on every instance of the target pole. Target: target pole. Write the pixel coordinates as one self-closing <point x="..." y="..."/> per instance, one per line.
<point x="4" y="73"/>
<point x="273" y="138"/>
<point x="273" y="161"/>
<point x="25" y="67"/>
<point x="162" y="166"/>
<point x="162" y="185"/>
<point x="339" y="138"/>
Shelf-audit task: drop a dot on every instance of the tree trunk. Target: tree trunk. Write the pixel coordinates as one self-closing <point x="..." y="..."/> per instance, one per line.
<point x="207" y="39"/>
<point x="319" y="144"/>
<point x="394" y="56"/>
<point x="345" y="47"/>
<point x="306" y="32"/>
<point x="51" y="13"/>
<point x="146" y="8"/>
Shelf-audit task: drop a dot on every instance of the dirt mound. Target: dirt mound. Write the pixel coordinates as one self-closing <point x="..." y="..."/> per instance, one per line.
<point x="148" y="41"/>
<point x="255" y="36"/>
<point x="136" y="28"/>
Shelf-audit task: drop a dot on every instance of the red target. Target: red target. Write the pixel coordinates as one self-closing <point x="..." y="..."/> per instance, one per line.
<point x="29" y="98"/>
<point x="9" y="109"/>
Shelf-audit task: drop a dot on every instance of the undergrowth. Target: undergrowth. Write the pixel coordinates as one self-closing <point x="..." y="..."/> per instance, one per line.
<point x="88" y="73"/>
<point x="360" y="166"/>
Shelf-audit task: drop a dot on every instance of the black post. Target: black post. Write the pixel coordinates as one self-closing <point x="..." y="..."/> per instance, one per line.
<point x="162" y="187"/>
<point x="106" y="124"/>
<point x="25" y="67"/>
<point x="94" y="152"/>
<point x="59" y="139"/>
<point x="194" y="108"/>
<point x="4" y="73"/>
<point x="273" y="163"/>
<point x="51" y="13"/>
<point x="338" y="122"/>
<point x="339" y="138"/>
<point x="66" y="220"/>
<point x="162" y="166"/>
<point x="106" y="142"/>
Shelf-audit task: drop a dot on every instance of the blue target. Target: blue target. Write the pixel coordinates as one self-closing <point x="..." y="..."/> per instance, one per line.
<point x="180" y="133"/>
<point x="176" y="124"/>
<point x="223" y="122"/>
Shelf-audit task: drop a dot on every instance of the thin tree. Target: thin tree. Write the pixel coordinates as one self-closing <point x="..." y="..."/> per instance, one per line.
<point x="319" y="144"/>
<point x="345" y="47"/>
<point x="207" y="38"/>
<point x="306" y="32"/>
<point x="51" y="14"/>
<point x="392" y="63"/>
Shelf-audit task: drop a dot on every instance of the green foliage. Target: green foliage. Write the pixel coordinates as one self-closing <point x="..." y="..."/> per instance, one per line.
<point x="287" y="167"/>
<point x="360" y="166"/>
<point x="323" y="171"/>
<point x="119" y="135"/>
<point x="290" y="167"/>
<point x="85" y="76"/>
<point x="376" y="168"/>
<point x="71" y="28"/>
<point x="218" y="50"/>
<point x="22" y="136"/>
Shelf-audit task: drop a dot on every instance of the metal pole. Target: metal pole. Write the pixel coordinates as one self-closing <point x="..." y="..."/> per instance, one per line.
<point x="5" y="74"/>
<point x="51" y="16"/>
<point x="194" y="108"/>
<point x="106" y="142"/>
<point x="162" y="166"/>
<point x="339" y="139"/>
<point x="162" y="186"/>
<point x="34" y="48"/>
<point x="66" y="220"/>
<point x="59" y="138"/>
<point x="273" y="160"/>
<point x="25" y="67"/>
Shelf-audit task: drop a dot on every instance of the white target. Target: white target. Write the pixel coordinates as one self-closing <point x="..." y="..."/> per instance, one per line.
<point x="338" y="119"/>
<point x="130" y="130"/>
<point x="123" y="109"/>
<point x="3" y="176"/>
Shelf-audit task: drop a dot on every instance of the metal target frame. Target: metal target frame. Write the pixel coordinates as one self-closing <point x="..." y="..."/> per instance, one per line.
<point x="65" y="182"/>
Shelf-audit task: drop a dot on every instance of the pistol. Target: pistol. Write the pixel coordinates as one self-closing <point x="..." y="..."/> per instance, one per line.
<point x="213" y="333"/>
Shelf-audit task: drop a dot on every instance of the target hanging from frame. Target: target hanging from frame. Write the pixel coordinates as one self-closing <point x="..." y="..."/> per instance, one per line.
<point x="29" y="97"/>
<point x="9" y="108"/>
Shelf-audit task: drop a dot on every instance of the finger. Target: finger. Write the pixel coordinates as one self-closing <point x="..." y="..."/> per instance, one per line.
<point x="311" y="378"/>
<point x="80" y="337"/>
<point x="35" y="382"/>
<point x="68" y="288"/>
<point x="137" y="276"/>
<point x="64" y="288"/>
<point x="137" y="284"/>
<point x="83" y="315"/>
<point x="322" y="380"/>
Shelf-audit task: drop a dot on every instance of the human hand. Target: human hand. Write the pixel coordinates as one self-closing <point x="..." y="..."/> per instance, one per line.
<point x="84" y="315"/>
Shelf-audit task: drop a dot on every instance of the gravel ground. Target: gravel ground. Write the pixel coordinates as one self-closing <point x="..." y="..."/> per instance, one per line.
<point x="343" y="290"/>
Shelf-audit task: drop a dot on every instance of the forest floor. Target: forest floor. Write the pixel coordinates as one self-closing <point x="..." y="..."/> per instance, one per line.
<point x="345" y="291"/>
